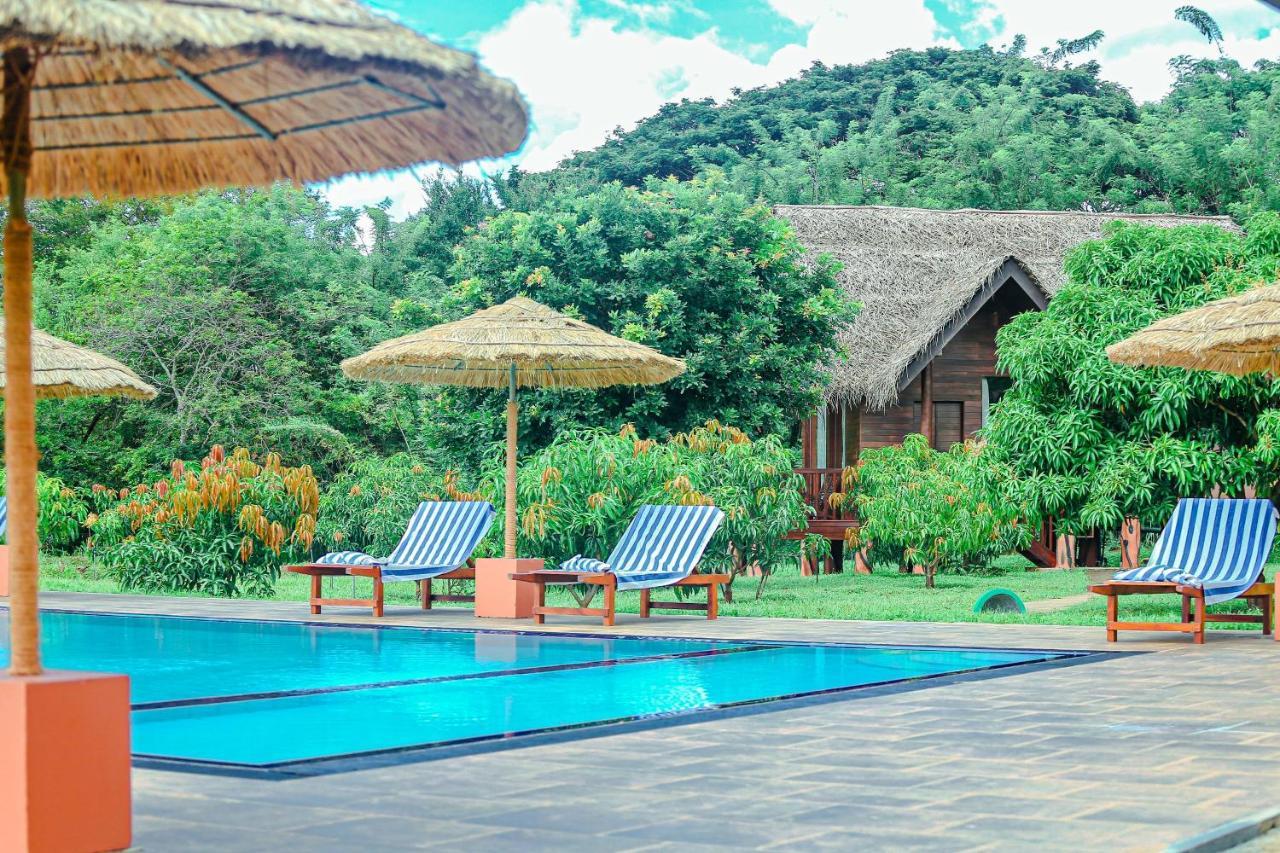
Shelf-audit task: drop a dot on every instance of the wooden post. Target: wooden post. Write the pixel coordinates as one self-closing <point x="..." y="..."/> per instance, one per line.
<point x="509" y="543"/>
<point x="926" y="404"/>
<point x="1130" y="542"/>
<point x="19" y="392"/>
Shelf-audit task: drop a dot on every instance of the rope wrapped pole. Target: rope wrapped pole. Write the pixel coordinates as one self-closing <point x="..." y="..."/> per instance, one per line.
<point x="20" y="400"/>
<point x="509" y="545"/>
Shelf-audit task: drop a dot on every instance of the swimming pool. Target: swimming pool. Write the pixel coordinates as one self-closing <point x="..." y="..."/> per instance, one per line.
<point x="251" y="694"/>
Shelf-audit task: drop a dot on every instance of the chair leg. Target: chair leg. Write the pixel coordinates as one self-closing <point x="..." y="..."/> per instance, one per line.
<point x="610" y="592"/>
<point x="713" y="600"/>
<point x="540" y="599"/>
<point x="377" y="595"/>
<point x="1200" y="620"/>
<point x="644" y="604"/>
<point x="426" y="593"/>
<point x="316" y="593"/>
<point x="1113" y="615"/>
<point x="1186" y="609"/>
<point x="1265" y="604"/>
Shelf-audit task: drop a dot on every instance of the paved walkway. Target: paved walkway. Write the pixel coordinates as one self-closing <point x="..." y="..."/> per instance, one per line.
<point x="1132" y="752"/>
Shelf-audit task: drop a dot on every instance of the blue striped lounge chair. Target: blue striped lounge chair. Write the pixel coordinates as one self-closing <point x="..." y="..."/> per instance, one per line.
<point x="661" y="547"/>
<point x="436" y="545"/>
<point x="1212" y="550"/>
<point x="4" y="517"/>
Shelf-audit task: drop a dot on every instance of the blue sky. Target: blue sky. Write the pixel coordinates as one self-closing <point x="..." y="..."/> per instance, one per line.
<point x="588" y="66"/>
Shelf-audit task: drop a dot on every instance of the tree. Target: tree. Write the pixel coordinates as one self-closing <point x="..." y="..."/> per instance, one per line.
<point x="236" y="305"/>
<point x="689" y="268"/>
<point x="955" y="509"/>
<point x="1204" y="24"/>
<point x="1095" y="441"/>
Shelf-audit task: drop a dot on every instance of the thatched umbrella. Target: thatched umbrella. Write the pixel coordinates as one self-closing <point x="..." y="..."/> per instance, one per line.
<point x="1237" y="335"/>
<point x="62" y="369"/>
<point x="137" y="97"/>
<point x="518" y="343"/>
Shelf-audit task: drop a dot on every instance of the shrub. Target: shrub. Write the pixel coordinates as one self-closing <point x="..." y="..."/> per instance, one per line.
<point x="61" y="512"/>
<point x="579" y="494"/>
<point x="952" y="510"/>
<point x="367" y="505"/>
<point x="225" y="530"/>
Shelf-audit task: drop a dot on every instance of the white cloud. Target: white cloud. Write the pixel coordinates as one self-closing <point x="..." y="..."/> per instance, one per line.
<point x="1141" y="35"/>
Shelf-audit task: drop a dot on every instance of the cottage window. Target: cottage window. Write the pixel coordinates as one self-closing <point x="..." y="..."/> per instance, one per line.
<point x="993" y="388"/>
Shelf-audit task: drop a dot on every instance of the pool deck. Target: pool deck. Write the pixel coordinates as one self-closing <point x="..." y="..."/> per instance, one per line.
<point x="1128" y="753"/>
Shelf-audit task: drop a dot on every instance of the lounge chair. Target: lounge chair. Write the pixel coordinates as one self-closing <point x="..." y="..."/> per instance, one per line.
<point x="661" y="547"/>
<point x="436" y="545"/>
<point x="1212" y="550"/>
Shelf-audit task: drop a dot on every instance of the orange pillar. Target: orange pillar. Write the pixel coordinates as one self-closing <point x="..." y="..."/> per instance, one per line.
<point x="64" y="762"/>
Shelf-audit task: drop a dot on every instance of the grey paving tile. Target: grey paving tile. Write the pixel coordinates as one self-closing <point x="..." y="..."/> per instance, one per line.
<point x="1130" y="753"/>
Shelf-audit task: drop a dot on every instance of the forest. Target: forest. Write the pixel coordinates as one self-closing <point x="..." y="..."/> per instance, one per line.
<point x="239" y="305"/>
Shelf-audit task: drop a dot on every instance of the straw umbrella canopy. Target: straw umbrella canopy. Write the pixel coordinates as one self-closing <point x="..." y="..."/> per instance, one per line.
<point x="520" y="343"/>
<point x="62" y="369"/>
<point x="1236" y="335"/>
<point x="141" y="97"/>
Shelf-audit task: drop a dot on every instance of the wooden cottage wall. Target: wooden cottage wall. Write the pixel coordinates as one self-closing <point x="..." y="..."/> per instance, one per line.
<point x="958" y="372"/>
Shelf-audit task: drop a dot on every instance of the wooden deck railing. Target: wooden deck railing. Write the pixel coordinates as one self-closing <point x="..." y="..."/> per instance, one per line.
<point x="819" y="485"/>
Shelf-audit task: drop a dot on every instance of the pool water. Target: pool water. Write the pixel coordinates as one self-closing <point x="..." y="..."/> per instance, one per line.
<point x="268" y="694"/>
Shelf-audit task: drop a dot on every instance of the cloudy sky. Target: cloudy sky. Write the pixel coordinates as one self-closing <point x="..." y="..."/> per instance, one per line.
<point x="588" y="66"/>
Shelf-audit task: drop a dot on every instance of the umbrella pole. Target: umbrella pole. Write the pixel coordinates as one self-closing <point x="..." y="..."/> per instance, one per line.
<point x="509" y="545"/>
<point x="20" y="405"/>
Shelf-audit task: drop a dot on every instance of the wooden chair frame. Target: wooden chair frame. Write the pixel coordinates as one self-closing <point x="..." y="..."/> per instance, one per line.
<point x="608" y="582"/>
<point x="1194" y="614"/>
<point x="319" y="571"/>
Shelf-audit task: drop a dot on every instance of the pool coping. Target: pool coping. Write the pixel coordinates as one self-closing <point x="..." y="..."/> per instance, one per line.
<point x="433" y="751"/>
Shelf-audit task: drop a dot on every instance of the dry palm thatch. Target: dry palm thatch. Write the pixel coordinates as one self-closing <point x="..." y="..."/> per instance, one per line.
<point x="139" y="97"/>
<point x="62" y="369"/>
<point x="915" y="271"/>
<point x="517" y="343"/>
<point x="1237" y="335"/>
<point x="545" y="347"/>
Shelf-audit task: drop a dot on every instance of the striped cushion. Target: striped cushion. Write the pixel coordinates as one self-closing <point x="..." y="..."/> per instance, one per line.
<point x="1215" y="544"/>
<point x="660" y="547"/>
<point x="440" y="537"/>
<point x="347" y="558"/>
<point x="584" y="564"/>
<point x="4" y="516"/>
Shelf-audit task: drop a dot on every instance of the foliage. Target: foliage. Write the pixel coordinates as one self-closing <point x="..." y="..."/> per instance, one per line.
<point x="972" y="128"/>
<point x="687" y="268"/>
<point x="60" y="514"/>
<point x="955" y="510"/>
<point x="1097" y="441"/>
<point x="365" y="508"/>
<point x="237" y="306"/>
<point x="226" y="530"/>
<point x="579" y="493"/>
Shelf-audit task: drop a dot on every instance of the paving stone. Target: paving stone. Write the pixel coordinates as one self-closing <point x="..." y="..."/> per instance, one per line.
<point x="1132" y="752"/>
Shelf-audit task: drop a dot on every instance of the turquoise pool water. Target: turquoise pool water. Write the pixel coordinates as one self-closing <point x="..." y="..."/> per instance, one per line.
<point x="264" y="694"/>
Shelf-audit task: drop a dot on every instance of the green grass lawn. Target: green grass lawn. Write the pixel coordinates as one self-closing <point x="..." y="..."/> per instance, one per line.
<point x="885" y="595"/>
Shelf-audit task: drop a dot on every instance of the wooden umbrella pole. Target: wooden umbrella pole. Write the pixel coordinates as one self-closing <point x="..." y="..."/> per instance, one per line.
<point x="509" y="545"/>
<point x="20" y="401"/>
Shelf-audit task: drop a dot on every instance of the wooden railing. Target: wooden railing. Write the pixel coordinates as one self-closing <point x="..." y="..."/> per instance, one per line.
<point x="819" y="485"/>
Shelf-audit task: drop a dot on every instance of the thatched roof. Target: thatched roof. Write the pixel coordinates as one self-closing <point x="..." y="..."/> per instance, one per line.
<point x="915" y="271"/>
<point x="62" y="369"/>
<point x="1238" y="335"/>
<point x="138" y="97"/>
<point x="547" y="348"/>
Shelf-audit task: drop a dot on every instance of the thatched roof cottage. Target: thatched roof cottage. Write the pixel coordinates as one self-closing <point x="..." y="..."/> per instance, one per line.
<point x="935" y="285"/>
